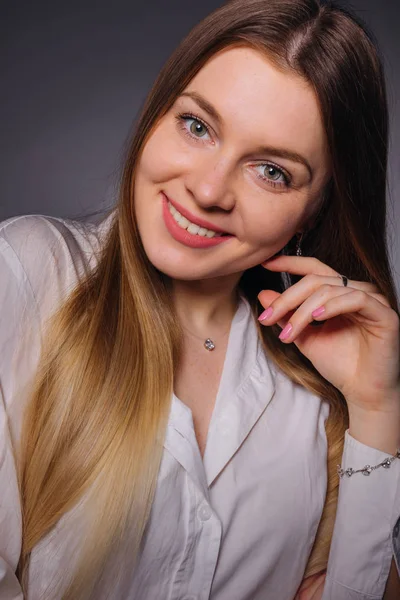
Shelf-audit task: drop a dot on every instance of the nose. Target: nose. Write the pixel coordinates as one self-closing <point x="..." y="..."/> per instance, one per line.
<point x="209" y="181"/>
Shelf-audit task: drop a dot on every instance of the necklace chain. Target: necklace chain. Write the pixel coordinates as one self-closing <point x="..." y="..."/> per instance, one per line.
<point x="208" y="343"/>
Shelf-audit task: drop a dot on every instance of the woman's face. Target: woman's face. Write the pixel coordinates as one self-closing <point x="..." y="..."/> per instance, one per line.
<point x="241" y="151"/>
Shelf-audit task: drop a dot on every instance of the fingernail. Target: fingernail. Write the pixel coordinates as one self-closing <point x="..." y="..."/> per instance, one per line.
<point x="266" y="314"/>
<point x="318" y="311"/>
<point x="284" y="334"/>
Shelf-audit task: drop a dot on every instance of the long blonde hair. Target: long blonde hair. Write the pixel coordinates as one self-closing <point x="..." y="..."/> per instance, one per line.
<point x="102" y="393"/>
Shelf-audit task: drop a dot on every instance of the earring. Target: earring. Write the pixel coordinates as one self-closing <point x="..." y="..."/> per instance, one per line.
<point x="298" y="245"/>
<point x="286" y="278"/>
<point x="299" y="253"/>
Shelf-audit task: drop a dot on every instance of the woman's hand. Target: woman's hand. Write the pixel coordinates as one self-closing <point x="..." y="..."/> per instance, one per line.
<point x="357" y="348"/>
<point x="311" y="588"/>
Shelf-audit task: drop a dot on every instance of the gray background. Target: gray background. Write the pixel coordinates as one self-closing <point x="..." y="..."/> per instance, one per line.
<point x="74" y="76"/>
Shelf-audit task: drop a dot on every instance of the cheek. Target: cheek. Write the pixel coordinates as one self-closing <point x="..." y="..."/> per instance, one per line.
<point x="267" y="225"/>
<point x="153" y="162"/>
<point x="162" y="157"/>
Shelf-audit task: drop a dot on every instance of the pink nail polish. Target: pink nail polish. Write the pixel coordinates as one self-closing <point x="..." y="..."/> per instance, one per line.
<point x="318" y="311"/>
<point x="266" y="314"/>
<point x="284" y="334"/>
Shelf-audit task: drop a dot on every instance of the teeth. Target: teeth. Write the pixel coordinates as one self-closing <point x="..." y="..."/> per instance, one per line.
<point x="181" y="220"/>
<point x="191" y="227"/>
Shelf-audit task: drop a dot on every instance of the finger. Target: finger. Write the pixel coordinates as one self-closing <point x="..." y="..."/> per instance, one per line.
<point x="298" y="292"/>
<point x="312" y="289"/>
<point x="319" y="589"/>
<point x="310" y="580"/>
<point x="368" y="306"/>
<point x="341" y="301"/>
<point x="307" y="265"/>
<point x="266" y="297"/>
<point x="314" y="590"/>
<point x="299" y="265"/>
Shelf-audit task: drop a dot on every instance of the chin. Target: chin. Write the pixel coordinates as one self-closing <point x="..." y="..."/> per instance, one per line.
<point x="180" y="269"/>
<point x="177" y="266"/>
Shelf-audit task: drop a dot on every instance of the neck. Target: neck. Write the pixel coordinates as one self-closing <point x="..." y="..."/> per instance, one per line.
<point x="208" y="306"/>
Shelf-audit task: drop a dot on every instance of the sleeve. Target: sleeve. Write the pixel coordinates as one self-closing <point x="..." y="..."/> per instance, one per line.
<point x="366" y="535"/>
<point x="41" y="260"/>
<point x="16" y="304"/>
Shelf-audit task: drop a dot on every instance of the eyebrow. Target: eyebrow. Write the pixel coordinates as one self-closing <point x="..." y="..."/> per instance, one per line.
<point x="205" y="105"/>
<point x="281" y="152"/>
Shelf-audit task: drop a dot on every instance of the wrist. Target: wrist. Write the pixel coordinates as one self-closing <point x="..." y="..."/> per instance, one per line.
<point x="377" y="429"/>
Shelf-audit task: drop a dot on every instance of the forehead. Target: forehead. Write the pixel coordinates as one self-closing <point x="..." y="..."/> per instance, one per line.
<point x="264" y="104"/>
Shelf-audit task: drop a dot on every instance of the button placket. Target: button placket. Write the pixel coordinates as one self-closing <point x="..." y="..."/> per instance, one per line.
<point x="204" y="513"/>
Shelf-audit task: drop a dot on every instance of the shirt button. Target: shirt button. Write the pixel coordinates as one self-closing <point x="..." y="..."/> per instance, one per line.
<point x="204" y="513"/>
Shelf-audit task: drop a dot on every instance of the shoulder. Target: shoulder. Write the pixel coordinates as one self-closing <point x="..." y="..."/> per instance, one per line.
<point x="49" y="254"/>
<point x="46" y="236"/>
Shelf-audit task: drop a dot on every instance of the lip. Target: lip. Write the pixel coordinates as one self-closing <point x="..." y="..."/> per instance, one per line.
<point x="192" y="218"/>
<point x="183" y="236"/>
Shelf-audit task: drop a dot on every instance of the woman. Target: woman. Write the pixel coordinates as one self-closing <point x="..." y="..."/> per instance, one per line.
<point x="173" y="446"/>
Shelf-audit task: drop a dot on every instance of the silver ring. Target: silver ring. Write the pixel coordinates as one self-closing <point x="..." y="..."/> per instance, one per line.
<point x="344" y="279"/>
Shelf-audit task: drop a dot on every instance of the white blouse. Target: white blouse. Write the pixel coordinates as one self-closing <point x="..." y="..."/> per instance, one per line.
<point x="236" y="525"/>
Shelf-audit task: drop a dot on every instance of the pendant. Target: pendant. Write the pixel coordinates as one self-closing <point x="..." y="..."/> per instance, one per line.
<point x="209" y="344"/>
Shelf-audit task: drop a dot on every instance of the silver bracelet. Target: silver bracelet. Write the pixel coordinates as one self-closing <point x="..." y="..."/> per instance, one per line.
<point x="367" y="469"/>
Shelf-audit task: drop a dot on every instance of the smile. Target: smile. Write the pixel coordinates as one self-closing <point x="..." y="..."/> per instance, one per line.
<point x="189" y="226"/>
<point x="188" y="233"/>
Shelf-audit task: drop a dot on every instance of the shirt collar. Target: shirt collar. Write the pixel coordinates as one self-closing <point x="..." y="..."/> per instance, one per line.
<point x="246" y="388"/>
